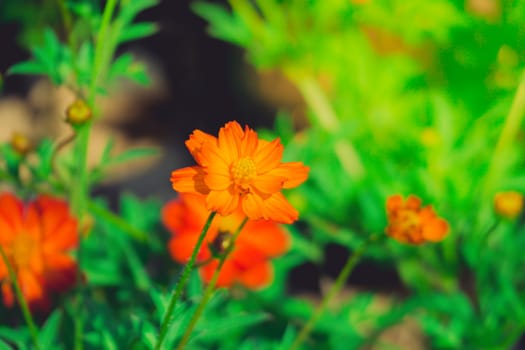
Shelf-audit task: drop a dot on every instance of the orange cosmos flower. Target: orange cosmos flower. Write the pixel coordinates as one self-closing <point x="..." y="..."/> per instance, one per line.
<point x="36" y="238"/>
<point x="249" y="262"/>
<point x="238" y="170"/>
<point x="409" y="223"/>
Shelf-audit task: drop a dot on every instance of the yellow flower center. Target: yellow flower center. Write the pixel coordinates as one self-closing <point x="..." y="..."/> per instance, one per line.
<point x="22" y="250"/>
<point x="409" y="223"/>
<point x="243" y="171"/>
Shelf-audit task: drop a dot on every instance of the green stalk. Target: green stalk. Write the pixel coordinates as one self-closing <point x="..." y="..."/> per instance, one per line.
<point x="508" y="134"/>
<point x="80" y="192"/>
<point x="21" y="300"/>
<point x="334" y="290"/>
<point x="100" y="49"/>
<point x="210" y="288"/>
<point x="182" y="282"/>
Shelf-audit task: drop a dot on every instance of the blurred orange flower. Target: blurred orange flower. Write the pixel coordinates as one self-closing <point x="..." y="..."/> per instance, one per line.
<point x="36" y="238"/>
<point x="249" y="262"/>
<point x="239" y="170"/>
<point x="409" y="223"/>
<point x="508" y="204"/>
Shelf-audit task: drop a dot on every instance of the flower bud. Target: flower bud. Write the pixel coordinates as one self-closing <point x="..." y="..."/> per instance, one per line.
<point x="508" y="204"/>
<point x="20" y="143"/>
<point x="78" y="113"/>
<point x="221" y="243"/>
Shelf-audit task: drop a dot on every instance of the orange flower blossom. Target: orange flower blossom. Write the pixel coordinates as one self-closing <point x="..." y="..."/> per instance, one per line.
<point x="36" y="239"/>
<point x="248" y="263"/>
<point x="239" y="170"/>
<point x="409" y="223"/>
<point x="508" y="204"/>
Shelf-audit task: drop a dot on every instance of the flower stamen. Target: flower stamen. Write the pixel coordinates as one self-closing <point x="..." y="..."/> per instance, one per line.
<point x="243" y="171"/>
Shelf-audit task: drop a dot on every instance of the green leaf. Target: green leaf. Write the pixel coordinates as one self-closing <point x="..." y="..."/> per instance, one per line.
<point x="137" y="31"/>
<point x="4" y="345"/>
<point x="28" y="67"/>
<point x="19" y="337"/>
<point x="45" y="153"/>
<point x="217" y="329"/>
<point x="49" y="332"/>
<point x="223" y="25"/>
<point x="125" y="66"/>
<point x="134" y="154"/>
<point x="132" y="9"/>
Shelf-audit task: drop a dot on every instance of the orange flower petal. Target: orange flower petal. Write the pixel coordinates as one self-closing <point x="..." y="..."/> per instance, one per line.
<point x="268" y="155"/>
<point x="435" y="230"/>
<point x="224" y="202"/>
<point x="229" y="141"/>
<point x="278" y="209"/>
<point x="196" y="140"/>
<point x="226" y="277"/>
<point x="181" y="247"/>
<point x="31" y="286"/>
<point x="58" y="228"/>
<point x="266" y="237"/>
<point x="268" y="183"/>
<point x="394" y="202"/>
<point x="249" y="143"/>
<point x="252" y="205"/>
<point x="190" y="180"/>
<point x="215" y="158"/>
<point x="217" y="181"/>
<point x="294" y="172"/>
<point x="257" y="276"/>
<point x="11" y="210"/>
<point x="7" y="294"/>
<point x="3" y="270"/>
<point x="413" y="203"/>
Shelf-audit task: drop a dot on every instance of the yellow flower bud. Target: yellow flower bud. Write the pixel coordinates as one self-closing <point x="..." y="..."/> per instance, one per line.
<point x="508" y="204"/>
<point x="20" y="143"/>
<point x="78" y="113"/>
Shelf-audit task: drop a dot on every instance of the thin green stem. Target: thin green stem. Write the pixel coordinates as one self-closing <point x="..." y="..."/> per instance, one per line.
<point x="210" y="288"/>
<point x="508" y="134"/>
<point x="182" y="282"/>
<point x="100" y="50"/>
<point x="334" y="290"/>
<point x="21" y="300"/>
<point x="80" y="192"/>
<point x="68" y="23"/>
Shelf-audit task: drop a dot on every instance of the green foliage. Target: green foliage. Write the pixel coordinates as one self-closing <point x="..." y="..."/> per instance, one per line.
<point x="401" y="97"/>
<point x="77" y="62"/>
<point x="416" y="94"/>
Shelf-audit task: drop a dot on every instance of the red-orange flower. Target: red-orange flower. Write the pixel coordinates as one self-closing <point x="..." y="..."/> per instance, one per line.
<point x="36" y="238"/>
<point x="239" y="170"/>
<point x="409" y="223"/>
<point x="249" y="262"/>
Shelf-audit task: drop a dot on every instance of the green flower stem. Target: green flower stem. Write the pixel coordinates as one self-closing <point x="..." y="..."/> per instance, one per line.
<point x="210" y="288"/>
<point x="334" y="290"/>
<point x="182" y="282"/>
<point x="100" y="50"/>
<point x="80" y="192"/>
<point x="21" y="301"/>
